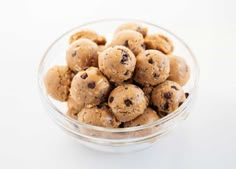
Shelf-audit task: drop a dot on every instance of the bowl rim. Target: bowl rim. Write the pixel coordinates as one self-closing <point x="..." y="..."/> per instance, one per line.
<point x="168" y="117"/>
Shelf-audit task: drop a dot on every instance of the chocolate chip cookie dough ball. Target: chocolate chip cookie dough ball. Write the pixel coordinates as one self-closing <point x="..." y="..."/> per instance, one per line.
<point x="152" y="68"/>
<point x="130" y="39"/>
<point x="168" y="96"/>
<point x="81" y="54"/>
<point x="127" y="102"/>
<point x="132" y="26"/>
<point x="57" y="82"/>
<point x="89" y="87"/>
<point x="98" y="116"/>
<point x="117" y="63"/>
<point x="159" y="42"/>
<point x="179" y="70"/>
<point x="148" y="116"/>
<point x="88" y="34"/>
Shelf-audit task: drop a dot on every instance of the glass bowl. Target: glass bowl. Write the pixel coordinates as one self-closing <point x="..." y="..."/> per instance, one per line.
<point x="120" y="139"/>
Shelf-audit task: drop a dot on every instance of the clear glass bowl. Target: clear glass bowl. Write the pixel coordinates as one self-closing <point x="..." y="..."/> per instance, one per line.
<point x="121" y="139"/>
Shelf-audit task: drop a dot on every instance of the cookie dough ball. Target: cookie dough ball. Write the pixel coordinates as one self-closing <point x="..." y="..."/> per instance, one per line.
<point x="132" y="26"/>
<point x="81" y="54"/>
<point x="159" y="42"/>
<point x="88" y="34"/>
<point x="57" y="82"/>
<point x="152" y="67"/>
<point x="89" y="87"/>
<point x="117" y="63"/>
<point x="98" y="116"/>
<point x="127" y="102"/>
<point x="130" y="39"/>
<point x="168" y="96"/>
<point x="148" y="116"/>
<point x="179" y="70"/>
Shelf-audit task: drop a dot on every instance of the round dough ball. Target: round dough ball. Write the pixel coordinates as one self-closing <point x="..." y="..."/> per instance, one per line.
<point x="132" y="26"/>
<point x="98" y="116"/>
<point x="127" y="102"/>
<point x="179" y="70"/>
<point x="88" y="34"/>
<point x="159" y="42"/>
<point x="168" y="96"/>
<point x="130" y="39"/>
<point x="147" y="117"/>
<point x="117" y="63"/>
<point x="57" y="82"/>
<point x="82" y="53"/>
<point x="152" y="68"/>
<point x="89" y="87"/>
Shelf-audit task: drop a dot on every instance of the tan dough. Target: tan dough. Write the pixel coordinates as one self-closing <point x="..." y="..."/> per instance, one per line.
<point x="152" y="68"/>
<point x="132" y="26"/>
<point x="117" y="63"/>
<point x="88" y="34"/>
<point x="179" y="70"/>
<point x="127" y="102"/>
<point x="98" y="116"/>
<point x="147" y="117"/>
<point x="168" y="96"/>
<point x="89" y="87"/>
<point x="57" y="82"/>
<point x="131" y="39"/>
<point x="159" y="42"/>
<point x="82" y="53"/>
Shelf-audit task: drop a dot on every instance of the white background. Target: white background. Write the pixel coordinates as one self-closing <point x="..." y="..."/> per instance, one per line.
<point x="29" y="139"/>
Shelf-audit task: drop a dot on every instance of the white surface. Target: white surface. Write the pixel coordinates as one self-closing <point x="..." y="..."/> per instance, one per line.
<point x="28" y="138"/>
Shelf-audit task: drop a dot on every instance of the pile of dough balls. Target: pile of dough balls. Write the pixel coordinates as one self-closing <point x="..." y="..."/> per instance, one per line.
<point x="131" y="81"/>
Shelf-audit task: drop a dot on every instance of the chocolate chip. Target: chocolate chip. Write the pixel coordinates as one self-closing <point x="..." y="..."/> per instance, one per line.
<point x="125" y="56"/>
<point x="91" y="85"/>
<point x="186" y="95"/>
<point x="126" y="43"/>
<point x="84" y="76"/>
<point x="155" y="75"/>
<point x="122" y="125"/>
<point x="155" y="108"/>
<point x="166" y="106"/>
<point x="74" y="54"/>
<point x="167" y="95"/>
<point x="111" y="99"/>
<point x="150" y="61"/>
<point x="143" y="46"/>
<point x="180" y="103"/>
<point x="174" y="87"/>
<point x="128" y="102"/>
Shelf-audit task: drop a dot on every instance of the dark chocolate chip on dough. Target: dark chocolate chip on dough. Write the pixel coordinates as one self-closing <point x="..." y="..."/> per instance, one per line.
<point x="91" y="85"/>
<point x="84" y="76"/>
<point x="167" y="95"/>
<point x="128" y="102"/>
